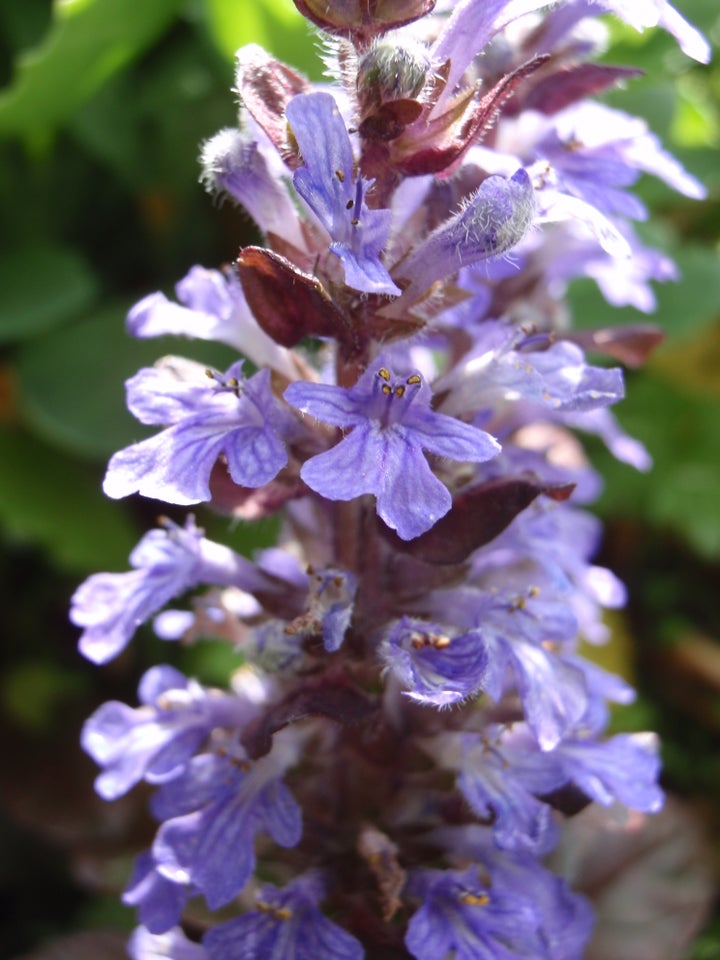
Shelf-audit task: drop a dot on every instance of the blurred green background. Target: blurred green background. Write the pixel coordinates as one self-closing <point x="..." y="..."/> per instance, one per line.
<point x="103" y="105"/>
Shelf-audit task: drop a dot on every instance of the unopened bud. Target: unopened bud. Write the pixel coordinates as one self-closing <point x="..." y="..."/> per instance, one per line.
<point x="494" y="219"/>
<point x="361" y="20"/>
<point x="390" y="72"/>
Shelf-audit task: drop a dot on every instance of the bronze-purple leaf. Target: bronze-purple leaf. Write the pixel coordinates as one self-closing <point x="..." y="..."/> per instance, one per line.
<point x="568" y="799"/>
<point x="631" y="344"/>
<point x="86" y="945"/>
<point x="649" y="878"/>
<point x="362" y="19"/>
<point x="287" y="303"/>
<point x="381" y="855"/>
<point x="333" y="699"/>
<point x="477" y="517"/>
<point x="571" y="83"/>
<point x="390" y="119"/>
<point x="265" y="87"/>
<point x="434" y="157"/>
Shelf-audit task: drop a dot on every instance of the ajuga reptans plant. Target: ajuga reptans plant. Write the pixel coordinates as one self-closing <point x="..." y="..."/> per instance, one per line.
<point x="389" y="765"/>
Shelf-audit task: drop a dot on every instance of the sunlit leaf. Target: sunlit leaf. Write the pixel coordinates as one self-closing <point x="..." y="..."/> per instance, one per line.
<point x="682" y="433"/>
<point x="692" y="363"/>
<point x="88" y="42"/>
<point x="49" y="501"/>
<point x="40" y="287"/>
<point x="71" y="382"/>
<point x="649" y="878"/>
<point x="682" y="306"/>
<point x="274" y="24"/>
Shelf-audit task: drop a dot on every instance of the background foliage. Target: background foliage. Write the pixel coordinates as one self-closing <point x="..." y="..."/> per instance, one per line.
<point x="103" y="104"/>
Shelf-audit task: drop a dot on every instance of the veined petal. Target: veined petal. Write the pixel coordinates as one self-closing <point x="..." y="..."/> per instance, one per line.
<point x="329" y="186"/>
<point x="411" y="498"/>
<point x="449" y="437"/>
<point x="173" y="466"/>
<point x="326" y="402"/>
<point x="351" y="468"/>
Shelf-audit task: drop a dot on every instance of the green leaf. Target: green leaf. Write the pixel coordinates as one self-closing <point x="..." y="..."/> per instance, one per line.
<point x="274" y="24"/>
<point x="88" y="42"/>
<point x="682" y="432"/>
<point x="32" y="691"/>
<point x="49" y="501"/>
<point x="41" y="287"/>
<point x="683" y="307"/>
<point x="71" y="381"/>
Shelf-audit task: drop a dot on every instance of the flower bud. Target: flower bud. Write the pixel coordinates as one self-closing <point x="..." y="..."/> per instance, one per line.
<point x="390" y="72"/>
<point x="361" y="20"/>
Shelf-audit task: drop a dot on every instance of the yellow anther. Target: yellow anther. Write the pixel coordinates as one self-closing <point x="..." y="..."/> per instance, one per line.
<point x="279" y="913"/>
<point x="400" y="391"/>
<point x="383" y="373"/>
<point x="441" y="643"/>
<point x="415" y="378"/>
<point x="387" y="390"/>
<point x="355" y="222"/>
<point x="534" y="592"/>
<point x="340" y="175"/>
<point x="474" y="899"/>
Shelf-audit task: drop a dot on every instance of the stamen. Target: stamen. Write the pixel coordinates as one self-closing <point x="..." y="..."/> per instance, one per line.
<point x="474" y="899"/>
<point x="278" y="913"/>
<point x="358" y="196"/>
<point x="340" y="175"/>
<point x="231" y="385"/>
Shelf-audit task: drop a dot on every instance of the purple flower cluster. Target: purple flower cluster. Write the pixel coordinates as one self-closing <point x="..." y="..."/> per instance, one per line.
<point x="384" y="772"/>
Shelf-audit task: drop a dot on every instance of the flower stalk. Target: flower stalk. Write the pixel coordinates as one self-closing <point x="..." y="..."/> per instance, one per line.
<point x="384" y="773"/>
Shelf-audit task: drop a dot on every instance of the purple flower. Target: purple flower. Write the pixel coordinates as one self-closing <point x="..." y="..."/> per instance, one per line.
<point x="658" y="13"/>
<point x="433" y="666"/>
<point x="469" y="917"/>
<point x="211" y="306"/>
<point x="286" y="923"/>
<point x="519" y="630"/>
<point x="328" y="184"/>
<point x="240" y="164"/>
<point x="156" y="741"/>
<point x="206" y="418"/>
<point x="111" y="606"/>
<point x="501" y="775"/>
<point x="624" y="768"/>
<point x="596" y="151"/>
<point x="159" y="902"/>
<point x="469" y="28"/>
<point x="565" y="918"/>
<point x="493" y="220"/>
<point x="173" y="945"/>
<point x="391" y="423"/>
<point x="212" y="814"/>
<point x="504" y="367"/>
<point x="330" y="602"/>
